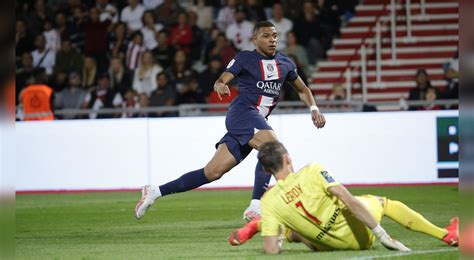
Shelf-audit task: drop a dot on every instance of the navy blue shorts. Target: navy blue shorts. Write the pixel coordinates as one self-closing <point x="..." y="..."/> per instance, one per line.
<point x="240" y="152"/>
<point x="241" y="127"/>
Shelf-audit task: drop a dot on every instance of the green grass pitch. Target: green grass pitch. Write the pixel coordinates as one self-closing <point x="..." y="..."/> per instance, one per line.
<point x="195" y="224"/>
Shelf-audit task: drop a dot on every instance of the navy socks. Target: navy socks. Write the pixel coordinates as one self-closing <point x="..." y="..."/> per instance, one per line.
<point x="262" y="179"/>
<point x="188" y="181"/>
<point x="195" y="179"/>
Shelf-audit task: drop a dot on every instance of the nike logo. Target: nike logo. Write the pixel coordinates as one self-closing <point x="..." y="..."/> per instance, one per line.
<point x="270" y="75"/>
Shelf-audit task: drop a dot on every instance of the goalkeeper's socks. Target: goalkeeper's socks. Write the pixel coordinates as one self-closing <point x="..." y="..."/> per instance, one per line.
<point x="411" y="219"/>
<point x="188" y="181"/>
<point x="262" y="179"/>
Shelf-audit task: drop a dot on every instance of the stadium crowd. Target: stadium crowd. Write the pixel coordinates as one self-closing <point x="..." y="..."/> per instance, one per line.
<point x="149" y="53"/>
<point x="132" y="53"/>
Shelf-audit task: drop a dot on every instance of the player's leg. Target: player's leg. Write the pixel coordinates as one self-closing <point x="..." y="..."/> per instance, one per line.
<point x="294" y="237"/>
<point x="239" y="236"/>
<point x="412" y="220"/>
<point x="262" y="179"/>
<point x="221" y="162"/>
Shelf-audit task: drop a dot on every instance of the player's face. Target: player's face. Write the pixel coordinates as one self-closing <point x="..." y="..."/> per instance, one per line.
<point x="266" y="40"/>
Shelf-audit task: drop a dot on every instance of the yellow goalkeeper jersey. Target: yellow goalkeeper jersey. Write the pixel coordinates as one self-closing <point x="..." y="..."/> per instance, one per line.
<point x="303" y="203"/>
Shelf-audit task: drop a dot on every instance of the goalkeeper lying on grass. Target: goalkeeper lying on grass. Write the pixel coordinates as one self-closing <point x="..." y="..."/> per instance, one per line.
<point x="311" y="207"/>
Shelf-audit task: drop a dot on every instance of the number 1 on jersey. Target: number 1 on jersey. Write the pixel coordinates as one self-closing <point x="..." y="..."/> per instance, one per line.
<point x="299" y="204"/>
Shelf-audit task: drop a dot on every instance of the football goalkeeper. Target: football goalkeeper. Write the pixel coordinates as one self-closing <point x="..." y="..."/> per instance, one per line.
<point x="311" y="207"/>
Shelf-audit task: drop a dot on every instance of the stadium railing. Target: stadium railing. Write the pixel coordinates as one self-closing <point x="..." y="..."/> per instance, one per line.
<point x="284" y="107"/>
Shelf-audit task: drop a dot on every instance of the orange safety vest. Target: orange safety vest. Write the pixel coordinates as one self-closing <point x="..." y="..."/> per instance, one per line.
<point x="36" y="100"/>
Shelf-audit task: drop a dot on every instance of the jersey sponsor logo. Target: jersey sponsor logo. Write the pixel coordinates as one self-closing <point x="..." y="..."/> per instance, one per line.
<point x="269" y="87"/>
<point x="327" y="176"/>
<point x="230" y="64"/>
<point x="328" y="226"/>
<point x="292" y="194"/>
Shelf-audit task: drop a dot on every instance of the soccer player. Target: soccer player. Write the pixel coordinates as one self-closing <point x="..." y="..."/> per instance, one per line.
<point x="260" y="74"/>
<point x="316" y="210"/>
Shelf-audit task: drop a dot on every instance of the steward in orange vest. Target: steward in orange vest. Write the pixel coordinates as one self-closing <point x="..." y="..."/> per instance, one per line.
<point x="36" y="100"/>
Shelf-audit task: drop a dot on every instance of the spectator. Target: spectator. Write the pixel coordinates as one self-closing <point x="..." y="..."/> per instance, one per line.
<point x="165" y="94"/>
<point x="293" y="9"/>
<point x="308" y="32"/>
<point x="430" y="96"/>
<point x="338" y="92"/>
<point x="51" y="36"/>
<point x="102" y="96"/>
<point x="197" y="44"/>
<point x="42" y="57"/>
<point x="89" y="72"/>
<point x="95" y="33"/>
<point x="163" y="53"/>
<point x="205" y="14"/>
<point x="422" y="84"/>
<point x="282" y="25"/>
<point x="226" y="16"/>
<point x="120" y="78"/>
<point x="255" y="11"/>
<point x="145" y="75"/>
<point x="143" y="102"/>
<point x="452" y="77"/>
<point x="134" y="51"/>
<point x="131" y="101"/>
<point x="241" y="31"/>
<point x="293" y="48"/>
<point x="167" y="12"/>
<point x="36" y="100"/>
<point x="107" y="11"/>
<point x="289" y="93"/>
<point x="347" y="9"/>
<point x="223" y="48"/>
<point x="208" y="77"/>
<point x="64" y="29"/>
<point x="59" y="81"/>
<point x="330" y="22"/>
<point x="37" y="18"/>
<point x="180" y="71"/>
<point x="24" y="40"/>
<point x="151" y="4"/>
<point x="77" y="37"/>
<point x="118" y="41"/>
<point x="149" y="30"/>
<point x="132" y="15"/>
<point x="71" y="97"/>
<point x="24" y="74"/>
<point x="191" y="94"/>
<point x="181" y="35"/>
<point x="68" y="59"/>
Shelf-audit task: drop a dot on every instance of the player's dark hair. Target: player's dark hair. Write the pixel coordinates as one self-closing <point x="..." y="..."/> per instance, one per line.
<point x="262" y="24"/>
<point x="270" y="156"/>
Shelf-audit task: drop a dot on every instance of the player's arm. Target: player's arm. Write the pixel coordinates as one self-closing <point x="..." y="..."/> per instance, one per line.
<point x="221" y="87"/>
<point x="307" y="97"/>
<point x="361" y="213"/>
<point x="271" y="245"/>
<point x="354" y="205"/>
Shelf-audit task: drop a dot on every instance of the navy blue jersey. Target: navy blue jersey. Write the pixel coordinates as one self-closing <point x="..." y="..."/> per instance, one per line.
<point x="260" y="80"/>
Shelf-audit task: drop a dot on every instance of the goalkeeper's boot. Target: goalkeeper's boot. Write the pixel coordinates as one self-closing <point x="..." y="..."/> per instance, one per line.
<point x="452" y="238"/>
<point x="245" y="233"/>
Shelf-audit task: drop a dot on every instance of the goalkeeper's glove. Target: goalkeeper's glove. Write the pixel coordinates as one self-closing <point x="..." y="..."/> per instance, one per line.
<point x="387" y="241"/>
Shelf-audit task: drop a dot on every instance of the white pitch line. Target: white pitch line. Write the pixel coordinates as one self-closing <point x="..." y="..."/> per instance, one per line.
<point x="422" y="252"/>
